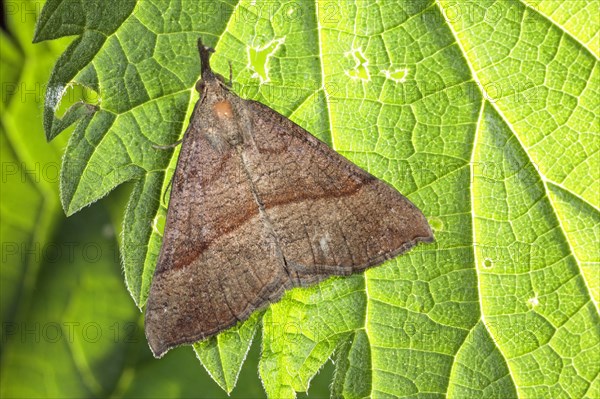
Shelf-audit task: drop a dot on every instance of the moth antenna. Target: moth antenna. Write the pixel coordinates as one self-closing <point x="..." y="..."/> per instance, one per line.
<point x="230" y="75"/>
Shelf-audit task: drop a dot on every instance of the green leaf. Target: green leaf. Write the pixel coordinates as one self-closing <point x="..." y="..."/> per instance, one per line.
<point x="30" y="166"/>
<point x="72" y="341"/>
<point x="485" y="114"/>
<point x="50" y="296"/>
<point x="480" y="370"/>
<point x="224" y="354"/>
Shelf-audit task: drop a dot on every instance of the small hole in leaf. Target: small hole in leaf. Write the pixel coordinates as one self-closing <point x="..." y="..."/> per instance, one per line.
<point x="361" y="70"/>
<point x="533" y="302"/>
<point x="436" y="224"/>
<point x="488" y="263"/>
<point x="258" y="58"/>
<point x="398" y="76"/>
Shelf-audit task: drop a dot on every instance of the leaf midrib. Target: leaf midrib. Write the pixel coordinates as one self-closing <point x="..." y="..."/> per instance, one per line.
<point x="561" y="27"/>
<point x="544" y="180"/>
<point x="541" y="176"/>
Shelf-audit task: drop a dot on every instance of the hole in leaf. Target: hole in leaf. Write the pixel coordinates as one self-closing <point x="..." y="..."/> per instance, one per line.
<point x="533" y="302"/>
<point x="488" y="263"/>
<point x="361" y="70"/>
<point x="258" y="58"/>
<point x="398" y="76"/>
<point x="436" y="224"/>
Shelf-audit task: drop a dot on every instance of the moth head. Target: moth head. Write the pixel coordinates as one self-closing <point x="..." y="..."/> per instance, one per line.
<point x="208" y="77"/>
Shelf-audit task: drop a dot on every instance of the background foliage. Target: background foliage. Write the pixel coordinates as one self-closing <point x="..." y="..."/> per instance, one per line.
<point x="485" y="114"/>
<point x="69" y="327"/>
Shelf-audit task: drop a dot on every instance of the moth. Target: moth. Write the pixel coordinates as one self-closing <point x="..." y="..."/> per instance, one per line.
<point x="258" y="205"/>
